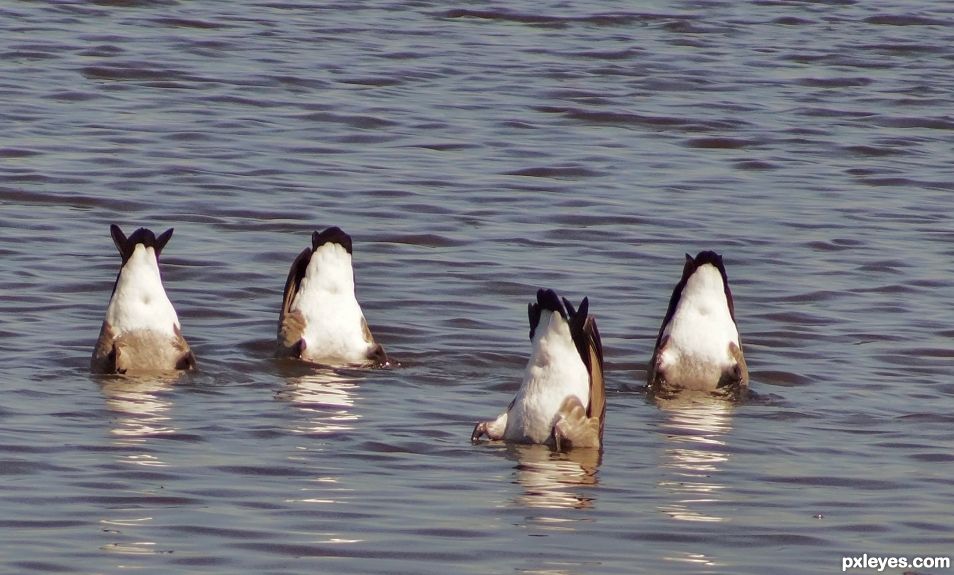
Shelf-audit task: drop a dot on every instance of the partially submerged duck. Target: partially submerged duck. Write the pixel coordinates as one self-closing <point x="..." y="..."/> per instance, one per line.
<point x="321" y="321"/>
<point x="698" y="346"/>
<point x="141" y="331"/>
<point x="561" y="400"/>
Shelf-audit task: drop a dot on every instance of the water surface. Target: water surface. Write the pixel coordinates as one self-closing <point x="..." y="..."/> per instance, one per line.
<point x="476" y="153"/>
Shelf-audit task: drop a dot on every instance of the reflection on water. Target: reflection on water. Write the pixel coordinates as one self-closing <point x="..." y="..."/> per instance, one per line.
<point x="694" y="454"/>
<point x="140" y="414"/>
<point x="694" y="560"/>
<point x="325" y="494"/>
<point x="139" y="407"/>
<point x="551" y="480"/>
<point x="326" y="396"/>
<point x="119" y="528"/>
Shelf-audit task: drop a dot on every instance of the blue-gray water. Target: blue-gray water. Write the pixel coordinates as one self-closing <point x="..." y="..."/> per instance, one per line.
<point x="476" y="152"/>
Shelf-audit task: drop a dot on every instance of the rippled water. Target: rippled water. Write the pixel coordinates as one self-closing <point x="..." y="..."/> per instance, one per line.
<point x="476" y="152"/>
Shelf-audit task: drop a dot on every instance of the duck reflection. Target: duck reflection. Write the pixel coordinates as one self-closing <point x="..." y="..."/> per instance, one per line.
<point x="694" y="454"/>
<point x="326" y="397"/>
<point x="551" y="480"/>
<point x="139" y="407"/>
<point x="140" y="412"/>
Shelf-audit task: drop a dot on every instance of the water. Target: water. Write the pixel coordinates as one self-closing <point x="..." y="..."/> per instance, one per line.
<point x="476" y="152"/>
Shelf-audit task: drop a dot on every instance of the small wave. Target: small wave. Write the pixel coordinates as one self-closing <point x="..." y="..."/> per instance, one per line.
<point x="556" y="172"/>
<point x="905" y="20"/>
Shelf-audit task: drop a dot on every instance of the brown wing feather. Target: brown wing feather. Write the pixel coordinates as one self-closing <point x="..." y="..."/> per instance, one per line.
<point x="367" y="332"/>
<point x="289" y="334"/>
<point x="579" y="425"/>
<point x="574" y="428"/>
<point x="291" y="324"/>
<point x="594" y="347"/>
<point x="586" y="336"/>
<point x="186" y="360"/>
<point x="654" y="375"/>
<point x="376" y="354"/>
<point x="742" y="368"/>
<point x="104" y="356"/>
<point x="295" y="274"/>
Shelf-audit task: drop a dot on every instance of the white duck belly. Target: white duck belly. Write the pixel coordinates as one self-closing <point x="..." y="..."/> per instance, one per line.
<point x="334" y="328"/>
<point x="699" y="333"/>
<point x="554" y="372"/>
<point x="139" y="303"/>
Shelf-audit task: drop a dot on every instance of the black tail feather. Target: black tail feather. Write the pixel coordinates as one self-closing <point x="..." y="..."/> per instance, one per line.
<point x="144" y="236"/>
<point x="332" y="235"/>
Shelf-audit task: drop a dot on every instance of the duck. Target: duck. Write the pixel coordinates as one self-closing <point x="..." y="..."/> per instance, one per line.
<point x="698" y="346"/>
<point x="561" y="400"/>
<point x="321" y="321"/>
<point x="141" y="332"/>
